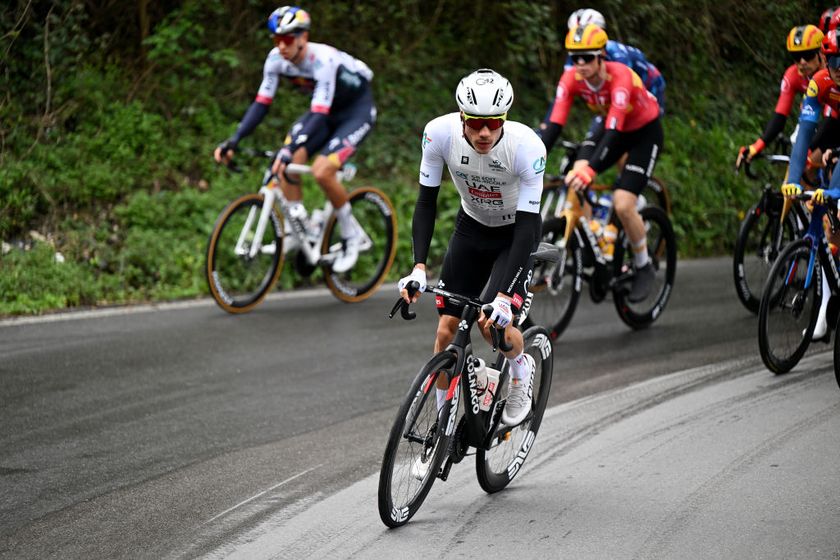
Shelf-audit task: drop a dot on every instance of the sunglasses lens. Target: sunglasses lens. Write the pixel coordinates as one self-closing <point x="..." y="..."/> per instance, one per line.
<point x="478" y="124"/>
<point x="582" y="58"/>
<point x="807" y="56"/>
<point x="834" y="62"/>
<point x="285" y="39"/>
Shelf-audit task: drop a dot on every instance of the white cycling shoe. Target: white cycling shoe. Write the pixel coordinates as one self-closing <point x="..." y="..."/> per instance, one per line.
<point x="518" y="403"/>
<point x="821" y="328"/>
<point x="348" y="255"/>
<point x="419" y="468"/>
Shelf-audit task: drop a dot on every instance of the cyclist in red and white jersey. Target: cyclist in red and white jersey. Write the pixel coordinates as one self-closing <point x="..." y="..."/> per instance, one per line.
<point x="631" y="126"/>
<point x="340" y="116"/>
<point x="803" y="44"/>
<point x="497" y="167"/>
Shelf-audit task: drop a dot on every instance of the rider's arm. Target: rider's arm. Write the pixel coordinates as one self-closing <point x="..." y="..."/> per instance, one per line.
<point x="423" y="222"/>
<point x="560" y="111"/>
<point x="436" y="140"/>
<point x="808" y="117"/>
<point x="530" y="166"/>
<point x="265" y="95"/>
<point x="787" y="93"/>
<point x="253" y="116"/>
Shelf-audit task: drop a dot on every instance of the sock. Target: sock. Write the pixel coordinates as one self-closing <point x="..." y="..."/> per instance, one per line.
<point x="345" y="221"/>
<point x="826" y="296"/>
<point x="640" y="254"/>
<point x="519" y="367"/>
<point x="441" y="397"/>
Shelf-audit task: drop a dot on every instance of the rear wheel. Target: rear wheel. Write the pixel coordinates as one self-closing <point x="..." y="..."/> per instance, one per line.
<point x="238" y="281"/>
<point x="417" y="444"/>
<point x="755" y="251"/>
<point x="662" y="249"/>
<point x="375" y="214"/>
<point x="496" y="467"/>
<point x="656" y="194"/>
<point x="556" y="286"/>
<point x="788" y="311"/>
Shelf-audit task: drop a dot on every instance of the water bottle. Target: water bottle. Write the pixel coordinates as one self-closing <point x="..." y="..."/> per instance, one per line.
<point x="348" y="171"/>
<point x="297" y="215"/>
<point x="602" y="210"/>
<point x="610" y="235"/>
<point x="480" y="371"/>
<point x="598" y="232"/>
<point x="490" y="388"/>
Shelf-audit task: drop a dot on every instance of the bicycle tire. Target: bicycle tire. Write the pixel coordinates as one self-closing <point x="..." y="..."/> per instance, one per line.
<point x="496" y="467"/>
<point x="375" y="213"/>
<point x="787" y="314"/>
<point x="419" y="405"/>
<point x="656" y="194"/>
<point x="557" y="286"/>
<point x="662" y="248"/>
<point x="755" y="251"/>
<point x="236" y="282"/>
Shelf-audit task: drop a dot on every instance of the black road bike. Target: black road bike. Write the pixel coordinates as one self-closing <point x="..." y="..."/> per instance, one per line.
<point x="557" y="286"/>
<point x="769" y="225"/>
<point x="437" y="439"/>
<point x="791" y="296"/>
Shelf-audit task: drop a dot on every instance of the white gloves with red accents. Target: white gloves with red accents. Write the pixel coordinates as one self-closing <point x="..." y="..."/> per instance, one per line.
<point x="502" y="314"/>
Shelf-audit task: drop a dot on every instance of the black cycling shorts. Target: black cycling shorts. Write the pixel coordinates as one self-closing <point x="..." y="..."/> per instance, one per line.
<point x="642" y="147"/>
<point x="475" y="265"/>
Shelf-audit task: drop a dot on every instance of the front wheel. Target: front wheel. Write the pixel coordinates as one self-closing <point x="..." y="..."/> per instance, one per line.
<point x="496" y="467"/>
<point x="237" y="280"/>
<point x="662" y="250"/>
<point x="556" y="286"/>
<point x="417" y="444"/>
<point x="375" y="215"/>
<point x="756" y="248"/>
<point x="788" y="311"/>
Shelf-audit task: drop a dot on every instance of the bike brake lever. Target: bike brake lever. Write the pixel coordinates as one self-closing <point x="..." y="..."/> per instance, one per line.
<point x="402" y="306"/>
<point x="232" y="166"/>
<point x="497" y="334"/>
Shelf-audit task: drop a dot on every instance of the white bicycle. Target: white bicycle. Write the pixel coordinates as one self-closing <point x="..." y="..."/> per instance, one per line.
<point x="254" y="233"/>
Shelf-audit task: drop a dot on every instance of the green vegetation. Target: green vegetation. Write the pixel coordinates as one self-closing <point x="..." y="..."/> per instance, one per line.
<point x="109" y="113"/>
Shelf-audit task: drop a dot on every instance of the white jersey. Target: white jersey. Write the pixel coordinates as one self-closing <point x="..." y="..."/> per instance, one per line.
<point x="334" y="77"/>
<point x="492" y="186"/>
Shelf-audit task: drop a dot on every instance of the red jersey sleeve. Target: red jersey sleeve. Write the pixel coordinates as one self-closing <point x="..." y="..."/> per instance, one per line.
<point x="563" y="98"/>
<point x="792" y="82"/>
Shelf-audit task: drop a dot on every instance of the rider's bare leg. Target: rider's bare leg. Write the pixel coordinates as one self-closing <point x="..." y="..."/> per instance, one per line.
<point x="292" y="191"/>
<point x="325" y="173"/>
<point x="624" y="203"/>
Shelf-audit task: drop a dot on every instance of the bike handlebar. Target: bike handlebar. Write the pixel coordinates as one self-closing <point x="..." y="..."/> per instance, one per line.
<point x="496" y="333"/>
<point x="772" y="158"/>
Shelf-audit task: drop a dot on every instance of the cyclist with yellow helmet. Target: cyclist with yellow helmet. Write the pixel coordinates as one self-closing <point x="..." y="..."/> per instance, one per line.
<point x="631" y="126"/>
<point x="803" y="44"/>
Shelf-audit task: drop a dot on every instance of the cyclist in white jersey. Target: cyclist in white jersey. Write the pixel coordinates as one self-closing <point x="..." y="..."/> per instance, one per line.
<point x="497" y="167"/>
<point x="340" y="116"/>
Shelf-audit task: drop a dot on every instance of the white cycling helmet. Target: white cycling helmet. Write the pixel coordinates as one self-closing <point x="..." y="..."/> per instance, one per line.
<point x="586" y="15"/>
<point x="484" y="93"/>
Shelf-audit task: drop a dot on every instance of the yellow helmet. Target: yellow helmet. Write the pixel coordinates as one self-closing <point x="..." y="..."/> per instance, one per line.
<point x="587" y="37"/>
<point x="804" y="38"/>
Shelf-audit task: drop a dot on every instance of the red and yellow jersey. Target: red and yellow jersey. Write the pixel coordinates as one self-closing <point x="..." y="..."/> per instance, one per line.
<point x="622" y="97"/>
<point x="822" y="93"/>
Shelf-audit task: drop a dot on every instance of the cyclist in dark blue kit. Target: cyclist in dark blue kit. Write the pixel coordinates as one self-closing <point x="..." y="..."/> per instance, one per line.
<point x="340" y="116"/>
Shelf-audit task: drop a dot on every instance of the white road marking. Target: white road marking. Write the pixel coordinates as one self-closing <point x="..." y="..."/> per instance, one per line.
<point x="255" y="496"/>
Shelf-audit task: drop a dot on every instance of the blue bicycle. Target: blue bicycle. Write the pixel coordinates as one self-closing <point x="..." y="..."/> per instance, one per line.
<point x="793" y="290"/>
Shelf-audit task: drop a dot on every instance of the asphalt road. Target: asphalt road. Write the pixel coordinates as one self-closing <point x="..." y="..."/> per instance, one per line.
<point x="181" y="431"/>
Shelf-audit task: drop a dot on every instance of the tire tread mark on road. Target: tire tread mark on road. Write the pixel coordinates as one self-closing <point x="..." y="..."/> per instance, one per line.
<point x="676" y="520"/>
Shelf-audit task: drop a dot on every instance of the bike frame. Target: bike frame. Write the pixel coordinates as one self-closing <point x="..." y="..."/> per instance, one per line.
<point x="820" y="250"/>
<point x="311" y="248"/>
